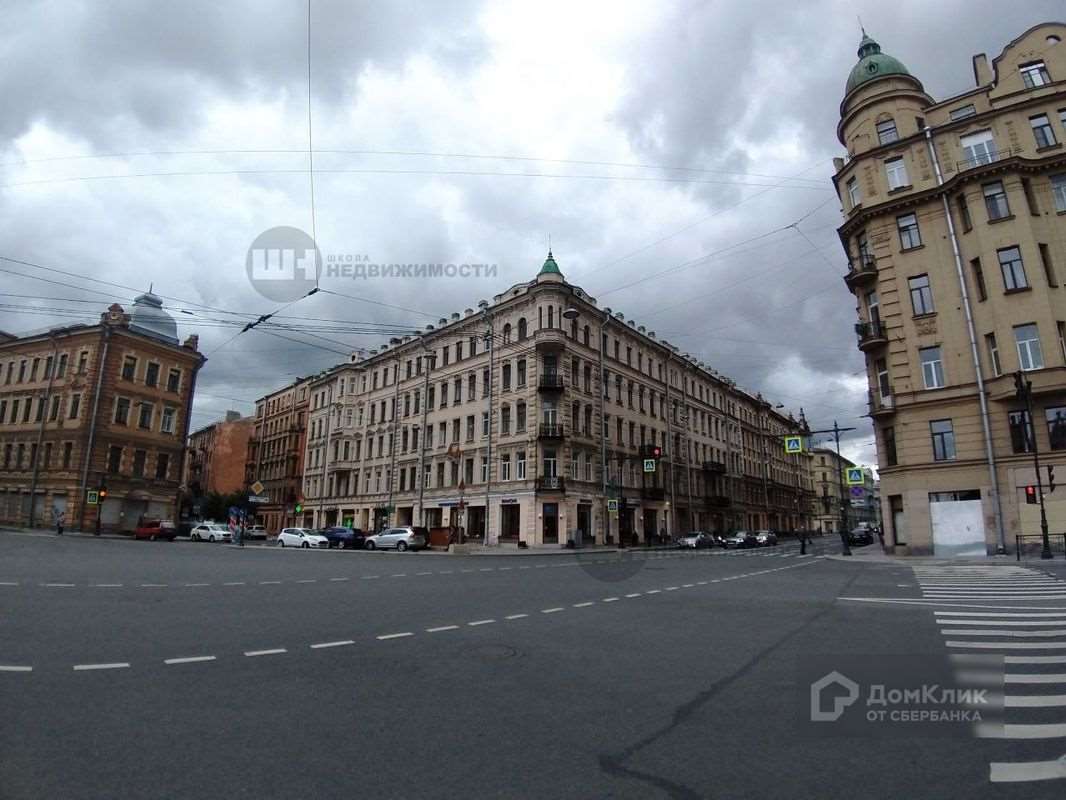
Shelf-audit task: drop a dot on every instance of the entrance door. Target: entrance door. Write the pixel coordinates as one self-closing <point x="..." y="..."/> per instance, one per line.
<point x="651" y="528"/>
<point x="958" y="528"/>
<point x="510" y="516"/>
<point x="584" y="523"/>
<point x="475" y="528"/>
<point x="550" y="526"/>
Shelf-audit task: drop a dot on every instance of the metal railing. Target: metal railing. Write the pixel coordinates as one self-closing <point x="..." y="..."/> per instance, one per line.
<point x="986" y="158"/>
<point x="1035" y="547"/>
<point x="870" y="331"/>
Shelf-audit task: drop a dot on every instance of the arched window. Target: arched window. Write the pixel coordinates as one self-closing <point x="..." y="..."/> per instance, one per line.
<point x="522" y="329"/>
<point x="551" y="316"/>
<point x="586" y="336"/>
<point x="507" y="333"/>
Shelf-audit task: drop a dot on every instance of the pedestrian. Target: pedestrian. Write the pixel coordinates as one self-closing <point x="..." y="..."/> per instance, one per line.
<point x="61" y="519"/>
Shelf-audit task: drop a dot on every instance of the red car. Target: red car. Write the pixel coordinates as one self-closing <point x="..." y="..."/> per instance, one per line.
<point x="153" y="529"/>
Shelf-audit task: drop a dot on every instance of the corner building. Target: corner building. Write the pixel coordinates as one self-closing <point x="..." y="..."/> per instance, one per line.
<point x="501" y="421"/>
<point x="956" y="239"/>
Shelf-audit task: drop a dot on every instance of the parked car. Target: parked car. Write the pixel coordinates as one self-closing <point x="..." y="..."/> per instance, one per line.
<point x="153" y="529"/>
<point x="255" y="532"/>
<point x="301" y="537"/>
<point x="766" y="538"/>
<point x="741" y="539"/>
<point x="404" y="538"/>
<point x="210" y="532"/>
<point x="341" y="537"/>
<point x="695" y="540"/>
<point x="860" y="536"/>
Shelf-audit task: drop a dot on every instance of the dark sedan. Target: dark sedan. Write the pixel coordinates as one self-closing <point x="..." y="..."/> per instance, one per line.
<point x="342" y="537"/>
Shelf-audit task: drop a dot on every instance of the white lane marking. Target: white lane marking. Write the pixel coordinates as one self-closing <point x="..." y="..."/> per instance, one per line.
<point x="445" y="572"/>
<point x="440" y="628"/>
<point x="504" y="569"/>
<point x="1034" y="700"/>
<point x="14" y="668"/>
<point x="340" y="643"/>
<point x="338" y="579"/>
<point x="584" y="605"/>
<point x="268" y="583"/>
<point x="153" y="586"/>
<point x="86" y="667"/>
<point x="477" y="622"/>
<point x="308" y="580"/>
<point x="197" y="584"/>
<point x="107" y="585"/>
<point x="551" y="610"/>
<point x="701" y="583"/>
<point x="1040" y="731"/>
<point x="370" y="577"/>
<point x="275" y="651"/>
<point x="417" y="573"/>
<point x="516" y="616"/>
<point x="234" y="583"/>
<point x="528" y="567"/>
<point x="1009" y="645"/>
<point x="188" y="660"/>
<point x="609" y="599"/>
<point x="633" y="594"/>
<point x="915" y="602"/>
<point x="687" y="585"/>
<point x="59" y="585"/>
<point x="1035" y="659"/>
<point x="8" y="583"/>
<point x="398" y="575"/>
<point x="1028" y="622"/>
<point x="486" y="569"/>
<point x="395" y="635"/>
<point x="1061" y="614"/>
<point x="1029" y="677"/>
<point x="672" y="588"/>
<point x="1023" y="771"/>
<point x="653" y="591"/>
<point x="976" y="632"/>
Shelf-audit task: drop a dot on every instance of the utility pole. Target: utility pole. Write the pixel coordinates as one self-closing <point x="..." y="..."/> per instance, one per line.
<point x="488" y="457"/>
<point x="836" y="430"/>
<point x="1024" y="391"/>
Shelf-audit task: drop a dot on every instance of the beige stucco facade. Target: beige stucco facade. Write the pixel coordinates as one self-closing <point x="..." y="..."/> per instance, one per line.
<point x="956" y="210"/>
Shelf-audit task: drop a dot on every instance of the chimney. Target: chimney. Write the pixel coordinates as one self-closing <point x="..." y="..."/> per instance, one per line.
<point x="982" y="73"/>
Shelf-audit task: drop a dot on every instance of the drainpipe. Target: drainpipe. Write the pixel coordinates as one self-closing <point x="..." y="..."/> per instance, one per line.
<point x="40" y="429"/>
<point x="87" y="455"/>
<point x="603" y="434"/>
<point x="428" y="360"/>
<point x="325" y="456"/>
<point x="486" y="540"/>
<point x="395" y="443"/>
<point x="1001" y="545"/>
<point x="669" y="451"/>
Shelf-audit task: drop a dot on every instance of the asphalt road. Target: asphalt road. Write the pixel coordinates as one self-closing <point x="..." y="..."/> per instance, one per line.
<point x="153" y="669"/>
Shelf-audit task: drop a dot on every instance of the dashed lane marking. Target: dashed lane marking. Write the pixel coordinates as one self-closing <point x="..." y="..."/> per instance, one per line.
<point x="188" y="660"/>
<point x="441" y="628"/>
<point x="15" y="668"/>
<point x="551" y="610"/>
<point x="88" y="667"/>
<point x="340" y="643"/>
<point x="273" y="652"/>
<point x="516" y="616"/>
<point x="477" y="622"/>
<point x="395" y="635"/>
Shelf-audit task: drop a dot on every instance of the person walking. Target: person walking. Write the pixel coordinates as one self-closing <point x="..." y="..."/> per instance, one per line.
<point x="61" y="520"/>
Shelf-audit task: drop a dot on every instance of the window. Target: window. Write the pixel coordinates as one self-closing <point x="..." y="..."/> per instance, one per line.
<point x="162" y="465"/>
<point x="886" y="132"/>
<point x="1056" y="426"/>
<point x="889" y="437"/>
<point x="1060" y="326"/>
<point x="53" y="412"/>
<point x="1042" y="131"/>
<point x="1021" y="431"/>
<point x="61" y="370"/>
<point x="978" y="148"/>
<point x="145" y="417"/>
<point x="83" y="361"/>
<point x="129" y="368"/>
<point x="520" y="373"/>
<point x="921" y="295"/>
<point x="75" y="407"/>
<point x="1010" y="264"/>
<point x="1049" y="268"/>
<point x="1034" y="74"/>
<point x="505" y="468"/>
<point x="522" y="329"/>
<point x="114" y="459"/>
<point x="151" y="374"/>
<point x="166" y="424"/>
<point x="943" y="440"/>
<point x="909" y="236"/>
<point x="122" y="411"/>
<point x="484" y="423"/>
<point x="979" y="279"/>
<point x="1027" y="337"/>
<point x="993" y="353"/>
<point x="932" y="367"/>
<point x="962" y="112"/>
<point x="964" y="213"/>
<point x="470" y="428"/>
<point x="68" y="452"/>
<point x="520" y="418"/>
<point x="995" y="201"/>
<point x="1058" y="189"/>
<point x="505" y="420"/>
<point x="896" y="171"/>
<point x="853" y="192"/>
<point x="139" y="457"/>
<point x="520" y="465"/>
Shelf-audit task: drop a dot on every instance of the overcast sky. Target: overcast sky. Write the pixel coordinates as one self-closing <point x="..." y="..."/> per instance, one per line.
<point x="146" y="143"/>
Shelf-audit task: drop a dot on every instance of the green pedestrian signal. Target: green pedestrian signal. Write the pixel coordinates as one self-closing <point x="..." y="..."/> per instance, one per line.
<point x="299" y="508"/>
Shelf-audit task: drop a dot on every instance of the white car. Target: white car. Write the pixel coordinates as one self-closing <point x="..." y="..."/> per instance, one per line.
<point x="404" y="538"/>
<point x="301" y="537"/>
<point x="210" y="532"/>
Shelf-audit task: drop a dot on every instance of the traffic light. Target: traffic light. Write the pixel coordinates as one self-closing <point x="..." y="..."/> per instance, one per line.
<point x="1050" y="478"/>
<point x="656" y="452"/>
<point x="103" y="493"/>
<point x="1030" y="495"/>
<point x="299" y="508"/>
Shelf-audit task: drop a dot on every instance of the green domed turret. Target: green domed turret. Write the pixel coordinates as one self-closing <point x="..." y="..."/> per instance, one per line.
<point x="550" y="267"/>
<point x="873" y="64"/>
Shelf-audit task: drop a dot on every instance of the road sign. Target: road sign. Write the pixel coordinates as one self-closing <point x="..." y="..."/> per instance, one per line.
<point x="857" y="491"/>
<point x="853" y="476"/>
<point x="793" y="444"/>
<point x="649" y="465"/>
<point x="92" y="497"/>
<point x="257" y="488"/>
<point x="612" y="506"/>
<point x="258" y="498"/>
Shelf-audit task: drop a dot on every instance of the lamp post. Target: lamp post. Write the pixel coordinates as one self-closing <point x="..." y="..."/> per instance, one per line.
<point x="836" y="430"/>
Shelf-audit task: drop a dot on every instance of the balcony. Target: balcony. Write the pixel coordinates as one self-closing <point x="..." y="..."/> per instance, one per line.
<point x="719" y="501"/>
<point x="714" y="467"/>
<point x="550" y="381"/>
<point x="984" y="159"/>
<point x="882" y="405"/>
<point x="871" y="335"/>
<point x="653" y="493"/>
<point x="862" y="272"/>
<point x="549" y="430"/>
<point x="550" y="339"/>
<point x="551" y="483"/>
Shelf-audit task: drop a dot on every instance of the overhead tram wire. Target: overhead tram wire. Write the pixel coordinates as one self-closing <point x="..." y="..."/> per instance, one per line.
<point x="310" y="147"/>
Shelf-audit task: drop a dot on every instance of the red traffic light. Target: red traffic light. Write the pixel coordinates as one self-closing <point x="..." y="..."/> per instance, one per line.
<point x="1030" y="495"/>
<point x="656" y="452"/>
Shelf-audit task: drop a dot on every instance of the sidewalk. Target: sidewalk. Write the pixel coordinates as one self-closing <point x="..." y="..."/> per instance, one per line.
<point x="882" y="558"/>
<point x="67" y="532"/>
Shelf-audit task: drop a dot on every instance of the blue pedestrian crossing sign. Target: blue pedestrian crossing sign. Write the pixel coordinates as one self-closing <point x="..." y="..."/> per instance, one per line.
<point x="793" y="444"/>
<point x="853" y="476"/>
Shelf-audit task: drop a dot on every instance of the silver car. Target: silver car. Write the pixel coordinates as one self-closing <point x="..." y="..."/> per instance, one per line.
<point x="403" y="538"/>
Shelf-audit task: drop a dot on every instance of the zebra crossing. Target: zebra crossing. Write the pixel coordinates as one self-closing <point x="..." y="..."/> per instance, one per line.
<point x="1030" y="640"/>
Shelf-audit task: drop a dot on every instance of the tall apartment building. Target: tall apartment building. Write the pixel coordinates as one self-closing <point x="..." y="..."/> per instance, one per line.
<point x="956" y="239"/>
<point x="88" y="406"/>
<point x="276" y="454"/>
<point x="218" y="455"/>
<point x="506" y="415"/>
